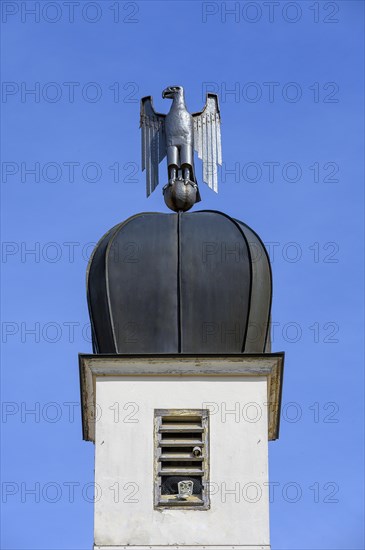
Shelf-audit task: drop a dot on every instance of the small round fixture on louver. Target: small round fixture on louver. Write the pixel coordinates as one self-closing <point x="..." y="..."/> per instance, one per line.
<point x="197" y="451"/>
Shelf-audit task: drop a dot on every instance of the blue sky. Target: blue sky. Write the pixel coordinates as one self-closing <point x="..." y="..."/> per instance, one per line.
<point x="293" y="132"/>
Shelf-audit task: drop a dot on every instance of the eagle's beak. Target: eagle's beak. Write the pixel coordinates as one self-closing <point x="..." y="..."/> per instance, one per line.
<point x="166" y="93"/>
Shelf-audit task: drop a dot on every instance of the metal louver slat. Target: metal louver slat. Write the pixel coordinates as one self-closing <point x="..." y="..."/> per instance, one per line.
<point x="171" y="456"/>
<point x="180" y="442"/>
<point x="192" y="428"/>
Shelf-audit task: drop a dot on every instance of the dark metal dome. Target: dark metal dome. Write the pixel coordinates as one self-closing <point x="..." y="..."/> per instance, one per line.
<point x="195" y="282"/>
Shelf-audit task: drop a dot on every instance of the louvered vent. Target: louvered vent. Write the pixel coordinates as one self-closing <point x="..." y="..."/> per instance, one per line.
<point x="181" y="455"/>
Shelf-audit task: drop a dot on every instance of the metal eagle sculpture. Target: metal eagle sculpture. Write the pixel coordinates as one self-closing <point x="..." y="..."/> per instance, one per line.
<point x="176" y="136"/>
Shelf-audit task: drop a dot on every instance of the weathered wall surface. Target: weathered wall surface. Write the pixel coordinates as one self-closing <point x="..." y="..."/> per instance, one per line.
<point x="124" y="513"/>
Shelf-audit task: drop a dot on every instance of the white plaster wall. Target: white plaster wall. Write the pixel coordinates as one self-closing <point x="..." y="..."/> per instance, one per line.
<point x="124" y="461"/>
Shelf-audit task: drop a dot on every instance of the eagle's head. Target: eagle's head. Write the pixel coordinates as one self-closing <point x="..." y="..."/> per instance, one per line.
<point x="171" y="91"/>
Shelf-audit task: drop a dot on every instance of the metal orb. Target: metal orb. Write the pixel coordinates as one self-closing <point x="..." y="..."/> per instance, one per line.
<point x="180" y="196"/>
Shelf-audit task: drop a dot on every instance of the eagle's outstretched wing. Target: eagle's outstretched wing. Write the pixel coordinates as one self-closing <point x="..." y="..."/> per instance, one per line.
<point x="153" y="142"/>
<point x="207" y="140"/>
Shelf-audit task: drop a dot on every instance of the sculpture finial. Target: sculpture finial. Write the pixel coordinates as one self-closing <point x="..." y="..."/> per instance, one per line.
<point x="176" y="136"/>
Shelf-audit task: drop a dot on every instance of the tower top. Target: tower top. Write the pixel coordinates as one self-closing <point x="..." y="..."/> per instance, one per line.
<point x="195" y="282"/>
